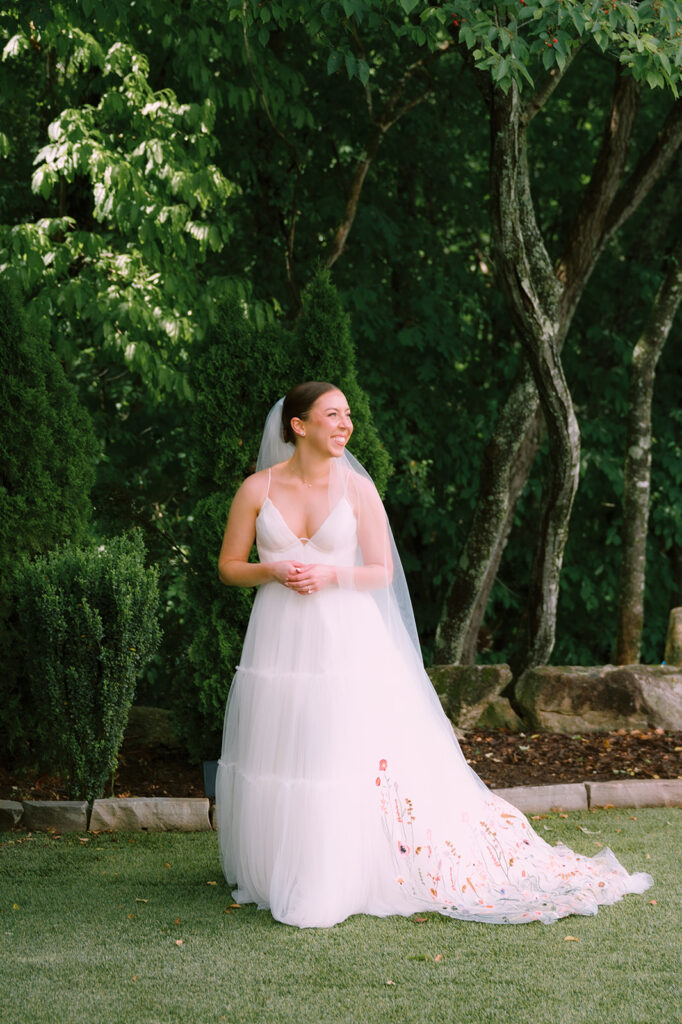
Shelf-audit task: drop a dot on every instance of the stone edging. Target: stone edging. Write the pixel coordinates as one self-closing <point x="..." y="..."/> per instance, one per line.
<point x="194" y="814"/>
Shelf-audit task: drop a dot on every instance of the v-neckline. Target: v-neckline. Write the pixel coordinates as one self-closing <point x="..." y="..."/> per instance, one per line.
<point x="302" y="540"/>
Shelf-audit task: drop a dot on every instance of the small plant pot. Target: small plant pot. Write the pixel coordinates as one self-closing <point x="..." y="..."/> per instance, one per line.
<point x="210" y="771"/>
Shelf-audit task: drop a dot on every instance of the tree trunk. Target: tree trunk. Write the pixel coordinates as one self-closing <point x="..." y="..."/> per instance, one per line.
<point x="533" y="293"/>
<point x="637" y="481"/>
<point x="509" y="457"/>
<point x="499" y="489"/>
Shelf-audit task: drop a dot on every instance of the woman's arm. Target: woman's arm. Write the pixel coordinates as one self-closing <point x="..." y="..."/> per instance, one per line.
<point x="234" y="567"/>
<point x="377" y="568"/>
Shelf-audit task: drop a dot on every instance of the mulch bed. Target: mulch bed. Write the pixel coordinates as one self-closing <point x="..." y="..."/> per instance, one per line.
<point x="500" y="758"/>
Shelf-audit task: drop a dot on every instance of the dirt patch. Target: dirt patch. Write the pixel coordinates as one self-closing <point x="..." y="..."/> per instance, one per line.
<point x="500" y="758"/>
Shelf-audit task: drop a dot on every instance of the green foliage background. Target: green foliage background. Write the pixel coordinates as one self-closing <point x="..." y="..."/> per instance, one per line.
<point x="172" y="176"/>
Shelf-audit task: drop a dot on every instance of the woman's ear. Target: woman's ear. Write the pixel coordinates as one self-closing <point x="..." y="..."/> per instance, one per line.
<point x="298" y="426"/>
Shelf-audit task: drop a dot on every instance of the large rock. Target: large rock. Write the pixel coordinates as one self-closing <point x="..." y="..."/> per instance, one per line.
<point x="10" y="813"/>
<point x="60" y="815"/>
<point x="469" y="692"/>
<point x="673" y="643"/>
<point x="603" y="698"/>
<point x="151" y="814"/>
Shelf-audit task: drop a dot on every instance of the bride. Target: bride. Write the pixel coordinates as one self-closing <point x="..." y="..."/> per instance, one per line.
<point x="341" y="788"/>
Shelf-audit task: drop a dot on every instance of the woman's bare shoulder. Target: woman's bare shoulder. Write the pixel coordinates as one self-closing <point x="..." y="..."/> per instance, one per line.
<point x="253" y="489"/>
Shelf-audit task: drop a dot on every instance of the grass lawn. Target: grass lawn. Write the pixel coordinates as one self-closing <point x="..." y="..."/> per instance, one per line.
<point x="131" y="929"/>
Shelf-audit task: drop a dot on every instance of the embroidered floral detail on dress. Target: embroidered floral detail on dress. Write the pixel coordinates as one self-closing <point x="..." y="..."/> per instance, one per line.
<point x="502" y="871"/>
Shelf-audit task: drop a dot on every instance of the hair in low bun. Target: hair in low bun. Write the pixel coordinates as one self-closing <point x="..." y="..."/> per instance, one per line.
<point x="298" y="403"/>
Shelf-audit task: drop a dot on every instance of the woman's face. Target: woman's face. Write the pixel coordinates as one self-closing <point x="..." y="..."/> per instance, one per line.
<point x="328" y="424"/>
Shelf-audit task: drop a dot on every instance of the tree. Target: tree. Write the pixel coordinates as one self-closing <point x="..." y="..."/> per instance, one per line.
<point x="542" y="302"/>
<point x="637" y="471"/>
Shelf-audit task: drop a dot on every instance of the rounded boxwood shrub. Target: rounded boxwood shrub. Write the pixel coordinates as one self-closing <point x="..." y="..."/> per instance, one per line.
<point x="92" y="615"/>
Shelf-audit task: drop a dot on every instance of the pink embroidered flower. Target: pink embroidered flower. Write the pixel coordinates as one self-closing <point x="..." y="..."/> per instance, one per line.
<point x="378" y="781"/>
<point x="403" y="848"/>
<point x="383" y="764"/>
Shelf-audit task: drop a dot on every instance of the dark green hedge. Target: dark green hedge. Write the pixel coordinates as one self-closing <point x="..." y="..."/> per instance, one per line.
<point x="47" y="459"/>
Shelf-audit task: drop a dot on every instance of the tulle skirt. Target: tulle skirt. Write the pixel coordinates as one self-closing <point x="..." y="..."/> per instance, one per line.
<point x="341" y="790"/>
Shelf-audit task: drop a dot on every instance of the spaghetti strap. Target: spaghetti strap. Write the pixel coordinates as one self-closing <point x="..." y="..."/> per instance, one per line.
<point x="269" y="479"/>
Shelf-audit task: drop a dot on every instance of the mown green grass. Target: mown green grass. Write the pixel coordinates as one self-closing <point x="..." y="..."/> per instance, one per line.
<point x="77" y="945"/>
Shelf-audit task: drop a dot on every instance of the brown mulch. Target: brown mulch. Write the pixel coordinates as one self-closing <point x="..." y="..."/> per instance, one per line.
<point x="500" y="758"/>
<point x="537" y="759"/>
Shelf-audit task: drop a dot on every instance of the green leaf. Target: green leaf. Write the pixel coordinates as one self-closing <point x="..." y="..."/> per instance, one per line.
<point x="500" y="70"/>
<point x="363" y="71"/>
<point x="334" y="62"/>
<point x="408" y="5"/>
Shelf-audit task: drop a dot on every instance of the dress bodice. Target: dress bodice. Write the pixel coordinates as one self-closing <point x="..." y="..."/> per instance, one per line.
<point x="335" y="541"/>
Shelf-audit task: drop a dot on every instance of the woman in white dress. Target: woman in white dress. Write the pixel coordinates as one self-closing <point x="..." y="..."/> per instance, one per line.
<point x="341" y="787"/>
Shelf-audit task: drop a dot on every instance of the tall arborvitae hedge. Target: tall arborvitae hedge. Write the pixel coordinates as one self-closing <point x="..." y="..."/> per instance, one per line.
<point x="47" y="460"/>
<point x="236" y="379"/>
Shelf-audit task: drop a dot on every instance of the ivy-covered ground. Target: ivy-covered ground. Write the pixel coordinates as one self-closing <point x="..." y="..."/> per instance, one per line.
<point x="142" y="928"/>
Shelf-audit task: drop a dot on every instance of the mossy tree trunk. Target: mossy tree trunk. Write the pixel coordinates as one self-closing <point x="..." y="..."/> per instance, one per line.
<point x="610" y="199"/>
<point x="637" y="475"/>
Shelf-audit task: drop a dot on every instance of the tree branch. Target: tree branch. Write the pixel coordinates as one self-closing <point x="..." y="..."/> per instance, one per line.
<point x="543" y="93"/>
<point x="387" y="118"/>
<point x="586" y="234"/>
<point x="647" y="172"/>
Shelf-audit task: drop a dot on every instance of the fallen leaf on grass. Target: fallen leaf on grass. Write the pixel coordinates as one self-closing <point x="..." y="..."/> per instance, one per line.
<point x="438" y="958"/>
<point x="588" y="832"/>
<point x="652" y="903"/>
<point x="570" y="938"/>
<point x="389" y="982"/>
<point x="177" y="920"/>
<point x="138" y="899"/>
<point x="179" y="942"/>
<point x="419" y="920"/>
<point x="235" y="906"/>
<point x="211" y="883"/>
<point x="563" y="815"/>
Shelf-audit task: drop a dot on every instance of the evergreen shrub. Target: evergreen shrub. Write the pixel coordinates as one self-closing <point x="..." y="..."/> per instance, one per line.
<point x="92" y="614"/>
<point x="47" y="466"/>
<point x="237" y="377"/>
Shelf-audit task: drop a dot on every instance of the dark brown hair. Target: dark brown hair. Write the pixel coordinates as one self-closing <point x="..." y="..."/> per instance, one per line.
<point x="298" y="403"/>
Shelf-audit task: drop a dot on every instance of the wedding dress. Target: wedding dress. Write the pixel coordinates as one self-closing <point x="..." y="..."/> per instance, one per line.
<point x="341" y="788"/>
